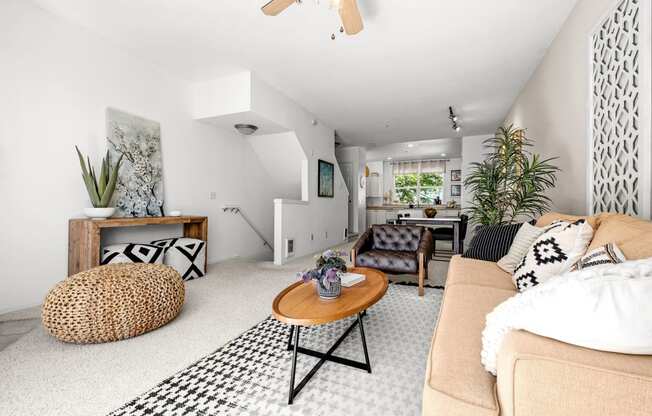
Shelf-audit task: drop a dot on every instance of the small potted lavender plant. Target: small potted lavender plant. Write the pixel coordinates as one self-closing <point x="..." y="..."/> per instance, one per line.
<point x="329" y="267"/>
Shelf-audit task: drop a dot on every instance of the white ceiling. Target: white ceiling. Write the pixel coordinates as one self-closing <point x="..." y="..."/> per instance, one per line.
<point x="413" y="59"/>
<point x="424" y="149"/>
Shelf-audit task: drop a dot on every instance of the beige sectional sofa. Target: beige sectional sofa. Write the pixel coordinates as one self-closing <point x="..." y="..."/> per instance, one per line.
<point x="537" y="376"/>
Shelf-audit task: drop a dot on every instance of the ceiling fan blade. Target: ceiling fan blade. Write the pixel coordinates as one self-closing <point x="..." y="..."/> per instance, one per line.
<point x="351" y="19"/>
<point x="275" y="7"/>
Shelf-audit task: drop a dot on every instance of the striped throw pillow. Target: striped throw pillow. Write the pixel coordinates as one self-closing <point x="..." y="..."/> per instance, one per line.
<point x="607" y="254"/>
<point x="492" y="242"/>
<point x="522" y="243"/>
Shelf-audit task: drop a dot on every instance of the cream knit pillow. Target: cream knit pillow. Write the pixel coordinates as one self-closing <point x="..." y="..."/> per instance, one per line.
<point x="525" y="237"/>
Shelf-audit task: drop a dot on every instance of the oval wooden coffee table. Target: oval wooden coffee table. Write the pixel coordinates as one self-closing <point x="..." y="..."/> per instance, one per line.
<point x="300" y="305"/>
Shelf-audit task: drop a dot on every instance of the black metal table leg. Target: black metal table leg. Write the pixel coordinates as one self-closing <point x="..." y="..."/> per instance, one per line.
<point x="364" y="343"/>
<point x="328" y="356"/>
<point x="294" y="362"/>
<point x="290" y="337"/>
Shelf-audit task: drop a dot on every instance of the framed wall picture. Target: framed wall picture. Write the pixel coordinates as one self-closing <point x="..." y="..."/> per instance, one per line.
<point x="325" y="179"/>
<point x="456" y="190"/>
<point x="456" y="175"/>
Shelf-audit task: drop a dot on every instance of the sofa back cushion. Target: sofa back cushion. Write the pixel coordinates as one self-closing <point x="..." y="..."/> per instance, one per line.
<point x="550" y="217"/>
<point x="632" y="235"/>
<point x="396" y="237"/>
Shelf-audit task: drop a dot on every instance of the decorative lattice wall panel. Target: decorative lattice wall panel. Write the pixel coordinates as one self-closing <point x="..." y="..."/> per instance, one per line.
<point x="619" y="140"/>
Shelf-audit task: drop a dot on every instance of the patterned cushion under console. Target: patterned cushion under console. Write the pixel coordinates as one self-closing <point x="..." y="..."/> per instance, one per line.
<point x="389" y="261"/>
<point x="185" y="255"/>
<point x="396" y="237"/>
<point x="553" y="253"/>
<point x="132" y="253"/>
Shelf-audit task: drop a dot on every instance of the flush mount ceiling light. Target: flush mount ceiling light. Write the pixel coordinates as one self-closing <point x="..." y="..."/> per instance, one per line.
<point x="348" y="10"/>
<point x="246" y="129"/>
<point x="454" y="119"/>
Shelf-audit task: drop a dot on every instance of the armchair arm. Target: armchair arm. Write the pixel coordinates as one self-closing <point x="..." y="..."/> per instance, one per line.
<point x="363" y="244"/>
<point x="426" y="245"/>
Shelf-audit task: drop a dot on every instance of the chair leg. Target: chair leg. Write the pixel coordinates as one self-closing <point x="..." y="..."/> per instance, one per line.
<point x="421" y="274"/>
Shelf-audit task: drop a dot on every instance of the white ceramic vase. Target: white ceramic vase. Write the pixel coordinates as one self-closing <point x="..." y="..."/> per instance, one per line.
<point x="99" y="213"/>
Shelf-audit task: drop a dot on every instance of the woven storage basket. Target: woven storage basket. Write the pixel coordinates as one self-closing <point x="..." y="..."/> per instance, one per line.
<point x="113" y="302"/>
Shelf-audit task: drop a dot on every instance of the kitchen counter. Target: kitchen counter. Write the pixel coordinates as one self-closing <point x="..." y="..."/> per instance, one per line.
<point x="405" y="207"/>
<point x="382" y="214"/>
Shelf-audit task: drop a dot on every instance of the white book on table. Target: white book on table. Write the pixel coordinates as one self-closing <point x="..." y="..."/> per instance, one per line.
<point x="350" y="279"/>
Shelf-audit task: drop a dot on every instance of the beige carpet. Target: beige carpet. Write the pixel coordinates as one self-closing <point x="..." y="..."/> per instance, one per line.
<point x="42" y="376"/>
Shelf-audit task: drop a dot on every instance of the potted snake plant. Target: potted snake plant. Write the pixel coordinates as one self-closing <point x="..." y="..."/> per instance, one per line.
<point x="100" y="188"/>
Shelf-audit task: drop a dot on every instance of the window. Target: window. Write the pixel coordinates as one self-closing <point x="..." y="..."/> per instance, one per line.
<point x="418" y="188"/>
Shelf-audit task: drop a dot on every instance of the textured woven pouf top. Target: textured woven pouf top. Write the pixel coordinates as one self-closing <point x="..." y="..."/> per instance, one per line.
<point x="113" y="302"/>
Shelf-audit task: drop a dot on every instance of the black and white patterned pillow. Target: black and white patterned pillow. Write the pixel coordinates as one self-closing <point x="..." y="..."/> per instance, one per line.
<point x="554" y="252"/>
<point x="186" y="255"/>
<point x="132" y="253"/>
<point x="492" y="242"/>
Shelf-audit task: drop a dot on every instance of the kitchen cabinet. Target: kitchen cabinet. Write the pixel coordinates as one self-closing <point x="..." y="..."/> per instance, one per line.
<point x="375" y="186"/>
<point x="376" y="217"/>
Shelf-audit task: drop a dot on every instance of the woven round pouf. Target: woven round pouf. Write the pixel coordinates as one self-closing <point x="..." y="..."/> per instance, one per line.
<point x="113" y="302"/>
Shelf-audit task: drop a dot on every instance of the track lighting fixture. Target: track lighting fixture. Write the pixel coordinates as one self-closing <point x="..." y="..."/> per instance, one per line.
<point x="454" y="120"/>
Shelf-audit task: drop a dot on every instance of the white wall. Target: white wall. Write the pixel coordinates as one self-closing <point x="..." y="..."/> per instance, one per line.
<point x="356" y="156"/>
<point x="281" y="156"/>
<point x="314" y="223"/>
<point x="553" y="105"/>
<point x="473" y="151"/>
<point x="56" y="81"/>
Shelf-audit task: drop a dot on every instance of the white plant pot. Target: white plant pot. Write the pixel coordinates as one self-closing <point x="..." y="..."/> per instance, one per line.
<point x="99" y="213"/>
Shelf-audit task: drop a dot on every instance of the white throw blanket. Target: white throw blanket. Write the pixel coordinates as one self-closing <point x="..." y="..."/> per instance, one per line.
<point x="606" y="308"/>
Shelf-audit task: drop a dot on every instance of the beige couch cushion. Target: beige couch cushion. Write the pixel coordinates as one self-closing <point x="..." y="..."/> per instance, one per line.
<point x="632" y="235"/>
<point x="456" y="383"/>
<point x="619" y="384"/>
<point x="550" y="217"/>
<point x="477" y="272"/>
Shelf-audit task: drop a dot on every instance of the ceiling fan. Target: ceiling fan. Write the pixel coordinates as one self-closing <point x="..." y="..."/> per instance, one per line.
<point x="348" y="9"/>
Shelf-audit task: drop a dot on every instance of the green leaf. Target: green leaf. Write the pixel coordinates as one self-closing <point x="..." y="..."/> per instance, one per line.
<point x="110" y="187"/>
<point x="104" y="172"/>
<point x="88" y="180"/>
<point x="511" y="183"/>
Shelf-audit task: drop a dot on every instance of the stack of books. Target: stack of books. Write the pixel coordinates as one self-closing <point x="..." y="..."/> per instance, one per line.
<point x="350" y="279"/>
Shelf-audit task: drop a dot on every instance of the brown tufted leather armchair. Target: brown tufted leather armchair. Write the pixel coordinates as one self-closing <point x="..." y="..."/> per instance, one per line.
<point x="397" y="249"/>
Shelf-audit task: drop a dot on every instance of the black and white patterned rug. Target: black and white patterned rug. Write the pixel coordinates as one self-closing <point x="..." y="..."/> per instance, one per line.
<point x="250" y="375"/>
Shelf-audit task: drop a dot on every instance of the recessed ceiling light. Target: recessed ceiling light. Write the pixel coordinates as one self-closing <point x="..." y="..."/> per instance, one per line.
<point x="443" y="155"/>
<point x="389" y="158"/>
<point x="246" y="129"/>
<point x="411" y="145"/>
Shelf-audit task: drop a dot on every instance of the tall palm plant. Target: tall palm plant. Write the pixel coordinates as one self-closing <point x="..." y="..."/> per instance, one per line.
<point x="511" y="182"/>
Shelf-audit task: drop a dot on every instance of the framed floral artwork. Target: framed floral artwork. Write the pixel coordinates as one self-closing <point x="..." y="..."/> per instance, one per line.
<point x="139" y="191"/>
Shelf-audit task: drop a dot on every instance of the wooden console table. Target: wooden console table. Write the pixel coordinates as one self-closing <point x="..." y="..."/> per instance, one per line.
<point x="84" y="236"/>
